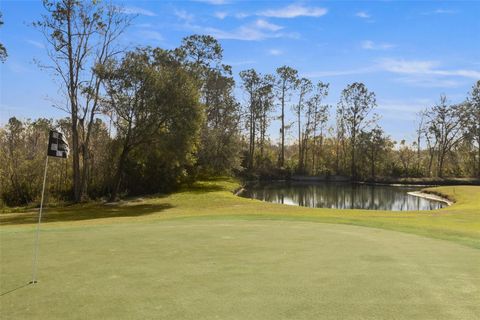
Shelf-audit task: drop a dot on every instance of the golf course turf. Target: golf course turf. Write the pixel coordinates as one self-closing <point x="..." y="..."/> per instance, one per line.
<point x="203" y="253"/>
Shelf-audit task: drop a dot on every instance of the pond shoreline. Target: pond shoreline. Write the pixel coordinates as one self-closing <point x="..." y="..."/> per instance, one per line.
<point x="431" y="196"/>
<point x="344" y="195"/>
<point x="427" y="182"/>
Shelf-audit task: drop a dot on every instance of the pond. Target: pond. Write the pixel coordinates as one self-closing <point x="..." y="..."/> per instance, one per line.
<point x="341" y="195"/>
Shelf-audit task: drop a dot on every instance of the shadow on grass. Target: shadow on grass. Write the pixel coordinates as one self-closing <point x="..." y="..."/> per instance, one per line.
<point x="85" y="212"/>
<point x="14" y="289"/>
<point x="199" y="188"/>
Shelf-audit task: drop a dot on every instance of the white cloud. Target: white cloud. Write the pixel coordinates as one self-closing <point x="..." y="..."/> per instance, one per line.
<point x="213" y="2"/>
<point x="36" y="44"/>
<point x="151" y="35"/>
<point x="430" y="82"/>
<point x="17" y="67"/>
<point x="255" y="31"/>
<point x="184" y="15"/>
<point x="440" y="11"/>
<point x="241" y="63"/>
<point x="263" y="24"/>
<point x="275" y="52"/>
<point x="140" y="11"/>
<point x="220" y="15"/>
<point x="421" y="73"/>
<point x="370" y="45"/>
<point x="293" y="11"/>
<point x="444" y="11"/>
<point x="336" y="73"/>
<point x="424" y="67"/>
<point x="363" y="15"/>
<point x="245" y="33"/>
<point x="241" y="15"/>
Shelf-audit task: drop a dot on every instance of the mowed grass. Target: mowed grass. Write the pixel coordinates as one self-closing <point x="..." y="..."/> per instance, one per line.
<point x="203" y="253"/>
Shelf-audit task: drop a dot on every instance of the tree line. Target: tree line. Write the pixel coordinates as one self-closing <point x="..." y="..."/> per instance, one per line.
<point x="149" y="119"/>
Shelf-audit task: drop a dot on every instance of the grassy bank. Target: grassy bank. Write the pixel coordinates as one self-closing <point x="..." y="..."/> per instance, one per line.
<point x="204" y="253"/>
<point x="215" y="199"/>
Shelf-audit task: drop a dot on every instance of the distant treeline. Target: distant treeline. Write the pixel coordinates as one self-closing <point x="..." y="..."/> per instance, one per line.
<point x="147" y="120"/>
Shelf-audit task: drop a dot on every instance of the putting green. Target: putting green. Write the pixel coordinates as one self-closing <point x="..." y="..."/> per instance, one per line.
<point x="236" y="269"/>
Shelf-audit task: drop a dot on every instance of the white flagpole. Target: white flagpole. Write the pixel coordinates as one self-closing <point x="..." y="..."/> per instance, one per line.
<point x="35" y="254"/>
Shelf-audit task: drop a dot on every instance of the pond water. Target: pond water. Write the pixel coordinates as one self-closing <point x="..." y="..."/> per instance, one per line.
<point x="341" y="195"/>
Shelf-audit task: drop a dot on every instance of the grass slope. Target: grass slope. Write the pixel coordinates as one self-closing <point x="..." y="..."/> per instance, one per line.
<point x="210" y="199"/>
<point x="203" y="253"/>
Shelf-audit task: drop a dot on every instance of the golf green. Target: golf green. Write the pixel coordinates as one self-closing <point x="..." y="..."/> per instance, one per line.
<point x="222" y="268"/>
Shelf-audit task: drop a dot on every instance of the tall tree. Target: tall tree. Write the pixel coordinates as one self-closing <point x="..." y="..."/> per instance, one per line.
<point x="378" y="144"/>
<point x="148" y="99"/>
<point x="266" y="101"/>
<point x="202" y="55"/>
<point x="81" y="35"/>
<point x="251" y="82"/>
<point x="444" y="124"/>
<point x="304" y="87"/>
<point x="286" y="81"/>
<point x="356" y="103"/>
<point x="472" y="120"/>
<point x="317" y="119"/>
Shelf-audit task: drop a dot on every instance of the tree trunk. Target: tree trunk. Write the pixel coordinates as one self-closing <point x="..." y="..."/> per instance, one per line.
<point x="300" y="160"/>
<point x="282" y="155"/>
<point x="118" y="175"/>
<point x="74" y="112"/>
<point x="478" y="172"/>
<point x="353" y="168"/>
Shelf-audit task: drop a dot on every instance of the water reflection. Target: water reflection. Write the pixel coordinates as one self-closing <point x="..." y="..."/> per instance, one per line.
<point x="341" y="196"/>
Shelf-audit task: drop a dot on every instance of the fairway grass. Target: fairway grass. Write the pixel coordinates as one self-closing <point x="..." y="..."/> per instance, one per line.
<point x="203" y="253"/>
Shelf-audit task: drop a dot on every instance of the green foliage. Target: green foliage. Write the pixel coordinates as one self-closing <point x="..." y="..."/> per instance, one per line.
<point x="219" y="139"/>
<point x="158" y="119"/>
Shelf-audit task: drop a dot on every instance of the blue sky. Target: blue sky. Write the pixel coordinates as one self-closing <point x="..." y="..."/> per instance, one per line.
<point x="407" y="52"/>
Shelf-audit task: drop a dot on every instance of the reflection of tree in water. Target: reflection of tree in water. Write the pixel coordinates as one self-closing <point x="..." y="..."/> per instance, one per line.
<point x="341" y="196"/>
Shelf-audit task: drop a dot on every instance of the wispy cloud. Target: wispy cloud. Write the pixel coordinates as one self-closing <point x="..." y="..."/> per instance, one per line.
<point x="263" y="24"/>
<point x="429" y="82"/>
<point x="275" y="52"/>
<point x="293" y="11"/>
<point x="422" y="73"/>
<point x="184" y="15"/>
<point x="337" y="73"/>
<point x="402" y="109"/>
<point x="36" y="44"/>
<point x="138" y="10"/>
<point x="240" y="63"/>
<point x="254" y="31"/>
<point x="220" y="15"/>
<point x="370" y="45"/>
<point x="363" y="15"/>
<point x="424" y="67"/>
<point x="214" y="2"/>
<point x="17" y="67"/>
<point x="151" y="35"/>
<point x="441" y="11"/>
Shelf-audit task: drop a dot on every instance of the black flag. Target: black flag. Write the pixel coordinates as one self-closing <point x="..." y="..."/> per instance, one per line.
<point x="57" y="145"/>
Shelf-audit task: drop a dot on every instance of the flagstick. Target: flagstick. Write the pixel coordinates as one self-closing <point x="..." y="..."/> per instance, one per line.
<point x="35" y="259"/>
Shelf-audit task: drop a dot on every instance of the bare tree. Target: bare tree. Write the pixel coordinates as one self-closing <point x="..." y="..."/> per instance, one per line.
<point x="304" y="87"/>
<point x="286" y="80"/>
<point x="252" y="84"/>
<point x="471" y="115"/>
<point x="81" y="35"/>
<point x="317" y="116"/>
<point x="356" y="103"/>
<point x="444" y="124"/>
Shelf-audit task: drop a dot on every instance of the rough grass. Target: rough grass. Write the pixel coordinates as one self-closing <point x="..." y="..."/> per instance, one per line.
<point x="459" y="222"/>
<point x="203" y="253"/>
